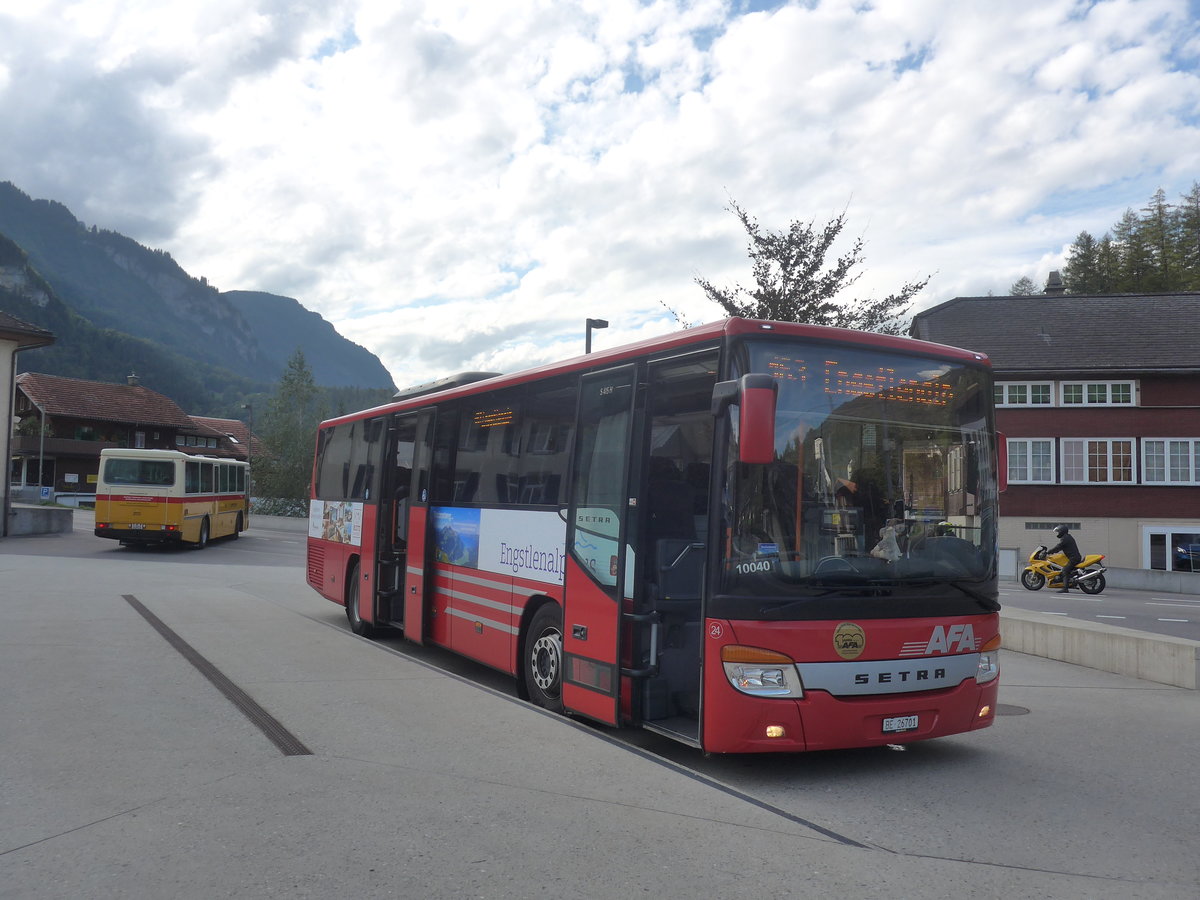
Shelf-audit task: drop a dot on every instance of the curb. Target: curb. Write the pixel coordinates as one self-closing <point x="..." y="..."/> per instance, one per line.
<point x="1123" y="651"/>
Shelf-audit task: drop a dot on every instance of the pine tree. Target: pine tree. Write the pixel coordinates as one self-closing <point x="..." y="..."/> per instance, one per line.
<point x="793" y="284"/>
<point x="1156" y="228"/>
<point x="289" y="431"/>
<point x="1080" y="274"/>
<point x="1108" y="266"/>
<point x="1187" y="247"/>
<point x="1136" y="264"/>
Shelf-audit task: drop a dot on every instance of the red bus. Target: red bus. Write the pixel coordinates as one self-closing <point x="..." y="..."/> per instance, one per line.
<point x="748" y="536"/>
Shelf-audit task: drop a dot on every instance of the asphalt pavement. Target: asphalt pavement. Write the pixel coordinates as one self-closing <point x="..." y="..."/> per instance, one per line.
<point x="200" y="724"/>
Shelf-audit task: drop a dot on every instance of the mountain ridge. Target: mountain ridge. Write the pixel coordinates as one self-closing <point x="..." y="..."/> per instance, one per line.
<point x="110" y="289"/>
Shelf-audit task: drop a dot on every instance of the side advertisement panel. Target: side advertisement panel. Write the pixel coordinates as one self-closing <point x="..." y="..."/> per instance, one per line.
<point x="340" y="521"/>
<point x="520" y="543"/>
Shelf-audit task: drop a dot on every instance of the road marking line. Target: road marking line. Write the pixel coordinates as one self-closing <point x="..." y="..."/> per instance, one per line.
<point x="1174" y="600"/>
<point x="1055" y="614"/>
<point x="1173" y="620"/>
<point x="1180" y="605"/>
<point x="1110" y="617"/>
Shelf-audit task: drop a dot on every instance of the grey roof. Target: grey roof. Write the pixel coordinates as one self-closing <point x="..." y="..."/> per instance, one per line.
<point x="1071" y="333"/>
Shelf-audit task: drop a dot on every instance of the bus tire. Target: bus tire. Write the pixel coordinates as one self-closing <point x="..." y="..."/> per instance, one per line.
<point x="237" y="528"/>
<point x="353" y="611"/>
<point x="202" y="540"/>
<point x="543" y="658"/>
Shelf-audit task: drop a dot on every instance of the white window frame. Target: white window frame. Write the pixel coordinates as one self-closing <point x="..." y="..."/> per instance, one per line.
<point x="1026" y="477"/>
<point x="1108" y="386"/>
<point x="1193" y="460"/>
<point x="1003" y="386"/>
<point x="1085" y="441"/>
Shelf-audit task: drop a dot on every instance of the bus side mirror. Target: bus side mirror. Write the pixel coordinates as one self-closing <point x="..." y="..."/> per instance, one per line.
<point x="755" y="396"/>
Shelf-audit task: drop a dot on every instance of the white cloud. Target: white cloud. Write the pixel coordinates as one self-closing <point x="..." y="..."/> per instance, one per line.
<point x="459" y="185"/>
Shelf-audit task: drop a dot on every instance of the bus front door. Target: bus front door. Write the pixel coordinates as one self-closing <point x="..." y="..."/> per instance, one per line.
<point x="672" y="543"/>
<point x="404" y="515"/>
<point x="600" y="507"/>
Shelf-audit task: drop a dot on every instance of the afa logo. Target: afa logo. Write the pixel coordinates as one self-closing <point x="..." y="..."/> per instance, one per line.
<point x="952" y="639"/>
<point x="849" y="640"/>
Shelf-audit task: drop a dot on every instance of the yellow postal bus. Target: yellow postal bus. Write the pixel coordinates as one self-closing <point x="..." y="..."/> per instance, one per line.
<point x="165" y="496"/>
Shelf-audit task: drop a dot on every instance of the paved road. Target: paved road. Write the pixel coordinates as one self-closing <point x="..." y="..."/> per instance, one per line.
<point x="1158" y="612"/>
<point x="202" y="724"/>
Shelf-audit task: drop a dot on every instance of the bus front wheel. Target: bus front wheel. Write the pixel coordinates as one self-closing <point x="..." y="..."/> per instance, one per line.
<point x="202" y="540"/>
<point x="353" y="614"/>
<point x="543" y="661"/>
<point x="237" y="529"/>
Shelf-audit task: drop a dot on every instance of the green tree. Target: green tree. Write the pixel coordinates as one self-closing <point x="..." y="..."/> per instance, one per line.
<point x="1108" y="266"/>
<point x="1134" y="254"/>
<point x="1187" y="246"/>
<point x="1081" y="274"/>
<point x="793" y="282"/>
<point x="1023" y="287"/>
<point x="1157" y="230"/>
<point x="289" y="431"/>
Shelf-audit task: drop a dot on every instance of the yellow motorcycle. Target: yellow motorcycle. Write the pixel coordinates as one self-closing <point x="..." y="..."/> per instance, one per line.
<point x="1042" y="570"/>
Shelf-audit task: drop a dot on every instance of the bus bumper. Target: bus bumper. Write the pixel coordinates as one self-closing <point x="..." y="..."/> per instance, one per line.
<point x="736" y="723"/>
<point x="139" y="535"/>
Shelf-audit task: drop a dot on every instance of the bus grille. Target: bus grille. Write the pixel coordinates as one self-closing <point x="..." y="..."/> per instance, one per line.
<point x="316" y="565"/>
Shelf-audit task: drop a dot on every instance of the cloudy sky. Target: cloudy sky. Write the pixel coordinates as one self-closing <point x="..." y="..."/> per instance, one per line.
<point x="458" y="185"/>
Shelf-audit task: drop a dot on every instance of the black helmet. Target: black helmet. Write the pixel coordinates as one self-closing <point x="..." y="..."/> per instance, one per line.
<point x="1060" y="530"/>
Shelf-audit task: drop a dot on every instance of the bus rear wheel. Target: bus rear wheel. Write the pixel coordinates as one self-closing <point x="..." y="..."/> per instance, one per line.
<point x="202" y="540"/>
<point x="543" y="663"/>
<point x="353" y="613"/>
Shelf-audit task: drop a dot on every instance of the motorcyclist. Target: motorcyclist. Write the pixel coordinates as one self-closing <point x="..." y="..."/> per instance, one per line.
<point x="1066" y="544"/>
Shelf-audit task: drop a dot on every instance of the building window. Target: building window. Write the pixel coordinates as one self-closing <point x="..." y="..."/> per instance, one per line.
<point x="1031" y="460"/>
<point x="1098" y="393"/>
<point x="1171" y="461"/>
<point x="1097" y="461"/>
<point x="1024" y="394"/>
<point x="139" y="440"/>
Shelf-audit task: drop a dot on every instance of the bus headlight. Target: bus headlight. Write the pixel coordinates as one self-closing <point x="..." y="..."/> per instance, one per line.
<point x="761" y="673"/>
<point x="989" y="661"/>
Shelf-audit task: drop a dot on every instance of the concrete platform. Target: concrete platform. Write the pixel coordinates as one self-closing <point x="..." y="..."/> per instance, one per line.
<point x="27" y="518"/>
<point x="1123" y="651"/>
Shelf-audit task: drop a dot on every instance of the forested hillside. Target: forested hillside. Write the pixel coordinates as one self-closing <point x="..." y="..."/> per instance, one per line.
<point x="116" y="306"/>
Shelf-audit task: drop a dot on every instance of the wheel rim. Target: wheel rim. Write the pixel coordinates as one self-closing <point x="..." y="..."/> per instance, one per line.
<point x="545" y="661"/>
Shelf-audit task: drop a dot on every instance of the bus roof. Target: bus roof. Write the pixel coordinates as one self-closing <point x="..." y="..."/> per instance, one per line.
<point x="162" y="453"/>
<point x="470" y="383"/>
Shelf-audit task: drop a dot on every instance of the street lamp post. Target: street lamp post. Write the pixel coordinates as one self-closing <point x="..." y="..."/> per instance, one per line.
<point x="592" y="323"/>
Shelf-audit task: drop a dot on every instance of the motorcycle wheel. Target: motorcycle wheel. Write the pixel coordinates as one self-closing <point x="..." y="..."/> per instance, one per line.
<point x="1032" y="581"/>
<point x="1092" y="585"/>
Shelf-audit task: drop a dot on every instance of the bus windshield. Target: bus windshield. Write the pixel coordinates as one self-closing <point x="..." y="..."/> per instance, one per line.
<point x="877" y="501"/>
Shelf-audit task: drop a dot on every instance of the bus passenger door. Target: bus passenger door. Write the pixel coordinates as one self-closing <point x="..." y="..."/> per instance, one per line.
<point x="595" y="586"/>
<point x="674" y="543"/>
<point x="404" y="515"/>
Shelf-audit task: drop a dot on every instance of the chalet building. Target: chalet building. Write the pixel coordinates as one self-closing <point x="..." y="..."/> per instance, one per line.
<point x="62" y="424"/>
<point x="1099" y="401"/>
<point x="15" y="336"/>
